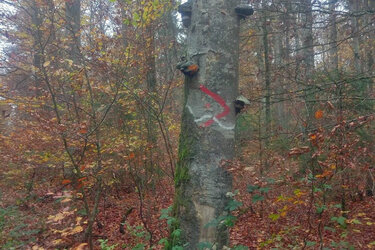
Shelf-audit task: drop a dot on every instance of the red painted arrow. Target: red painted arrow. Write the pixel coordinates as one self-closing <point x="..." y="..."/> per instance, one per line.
<point x="219" y="100"/>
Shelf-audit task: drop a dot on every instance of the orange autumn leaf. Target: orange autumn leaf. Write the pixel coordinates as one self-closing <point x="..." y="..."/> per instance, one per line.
<point x="83" y="130"/>
<point x="131" y="155"/>
<point x="81" y="179"/>
<point x="66" y="182"/>
<point x="319" y="114"/>
<point x="324" y="174"/>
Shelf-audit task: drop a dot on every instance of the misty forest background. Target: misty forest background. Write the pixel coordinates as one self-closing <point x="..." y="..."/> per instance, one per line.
<point x="90" y="111"/>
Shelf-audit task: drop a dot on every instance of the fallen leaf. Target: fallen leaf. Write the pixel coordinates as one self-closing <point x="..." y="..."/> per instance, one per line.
<point x="319" y="114"/>
<point x="66" y="182"/>
<point x="57" y="242"/>
<point x="77" y="229"/>
<point x="81" y="246"/>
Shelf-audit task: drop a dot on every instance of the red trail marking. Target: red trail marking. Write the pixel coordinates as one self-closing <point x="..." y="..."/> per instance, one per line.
<point x="219" y="100"/>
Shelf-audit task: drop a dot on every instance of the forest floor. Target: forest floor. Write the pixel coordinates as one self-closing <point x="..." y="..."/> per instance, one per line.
<point x="278" y="211"/>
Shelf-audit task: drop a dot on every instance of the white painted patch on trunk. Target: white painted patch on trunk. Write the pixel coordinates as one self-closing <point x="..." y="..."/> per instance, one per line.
<point x="222" y="125"/>
<point x="208" y="117"/>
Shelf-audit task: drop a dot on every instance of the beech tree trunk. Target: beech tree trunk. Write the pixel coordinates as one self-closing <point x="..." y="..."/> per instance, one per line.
<point x="280" y="113"/>
<point x="333" y="52"/>
<point x="307" y="39"/>
<point x="73" y="25"/>
<point x="354" y="9"/>
<point x="36" y="21"/>
<point x="124" y="25"/>
<point x="208" y="122"/>
<point x="36" y="32"/>
<point x="267" y="71"/>
<point x="307" y="63"/>
<point x="369" y="6"/>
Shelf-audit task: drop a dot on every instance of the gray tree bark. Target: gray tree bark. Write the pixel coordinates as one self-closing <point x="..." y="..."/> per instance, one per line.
<point x="208" y="122"/>
<point x="124" y="26"/>
<point x="354" y="9"/>
<point x="279" y="81"/>
<point x="333" y="55"/>
<point x="307" y="39"/>
<point x="73" y="25"/>
<point x="369" y="5"/>
<point x="151" y="84"/>
<point x="284" y="114"/>
<point x="307" y="63"/>
<point x="37" y="36"/>
<point x="267" y="71"/>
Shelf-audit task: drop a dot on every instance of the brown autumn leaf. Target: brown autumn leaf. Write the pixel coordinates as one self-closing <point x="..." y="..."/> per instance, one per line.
<point x="298" y="151"/>
<point x="81" y="246"/>
<point x="330" y="105"/>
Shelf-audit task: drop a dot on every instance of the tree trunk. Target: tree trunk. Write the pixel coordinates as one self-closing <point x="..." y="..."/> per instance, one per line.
<point x="151" y="84"/>
<point x="370" y="7"/>
<point x="73" y="25"/>
<point x="208" y="122"/>
<point x="307" y="39"/>
<point x="370" y="50"/>
<point x="124" y="26"/>
<point x="279" y="81"/>
<point x="307" y="57"/>
<point x="267" y="71"/>
<point x="37" y="36"/>
<point x="354" y="8"/>
<point x="333" y="55"/>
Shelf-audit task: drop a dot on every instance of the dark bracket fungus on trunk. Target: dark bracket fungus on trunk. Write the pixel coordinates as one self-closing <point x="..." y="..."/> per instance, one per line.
<point x="188" y="68"/>
<point x="244" y="10"/>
